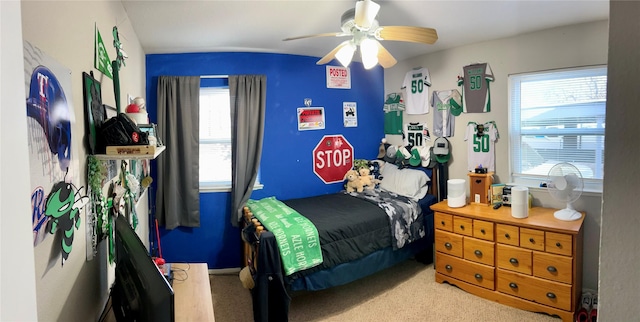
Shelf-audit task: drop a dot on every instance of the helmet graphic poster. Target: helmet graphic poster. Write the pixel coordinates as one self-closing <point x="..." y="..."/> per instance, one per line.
<point x="47" y="104"/>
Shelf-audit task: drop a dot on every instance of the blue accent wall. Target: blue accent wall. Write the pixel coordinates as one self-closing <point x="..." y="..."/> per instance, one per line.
<point x="286" y="166"/>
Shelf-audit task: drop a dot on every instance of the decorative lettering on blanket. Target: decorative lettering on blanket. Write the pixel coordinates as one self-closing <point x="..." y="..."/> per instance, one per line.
<point x="296" y="236"/>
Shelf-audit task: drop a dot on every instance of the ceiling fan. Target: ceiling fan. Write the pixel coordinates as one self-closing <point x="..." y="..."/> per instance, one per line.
<point x="360" y="22"/>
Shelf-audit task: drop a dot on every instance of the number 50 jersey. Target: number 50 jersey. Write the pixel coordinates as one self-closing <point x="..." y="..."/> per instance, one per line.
<point x="416" y="134"/>
<point x="481" y="144"/>
<point x="416" y="91"/>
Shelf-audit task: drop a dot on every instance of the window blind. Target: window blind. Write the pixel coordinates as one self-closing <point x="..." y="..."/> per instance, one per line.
<point x="557" y="116"/>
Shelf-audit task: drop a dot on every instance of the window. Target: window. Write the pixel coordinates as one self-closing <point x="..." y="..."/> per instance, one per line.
<point x="215" y="138"/>
<point x="558" y="116"/>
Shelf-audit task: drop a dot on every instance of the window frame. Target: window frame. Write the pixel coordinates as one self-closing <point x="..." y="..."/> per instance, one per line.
<point x="516" y="133"/>
<point x="220" y="186"/>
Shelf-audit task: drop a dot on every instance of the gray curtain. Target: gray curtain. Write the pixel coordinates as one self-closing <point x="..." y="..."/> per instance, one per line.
<point x="248" y="100"/>
<point x="178" y="194"/>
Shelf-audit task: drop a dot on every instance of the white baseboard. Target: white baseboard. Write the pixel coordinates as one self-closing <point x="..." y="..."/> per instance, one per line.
<point x="225" y="271"/>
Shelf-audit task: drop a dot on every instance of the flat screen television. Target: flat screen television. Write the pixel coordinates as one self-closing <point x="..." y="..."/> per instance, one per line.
<point x="140" y="291"/>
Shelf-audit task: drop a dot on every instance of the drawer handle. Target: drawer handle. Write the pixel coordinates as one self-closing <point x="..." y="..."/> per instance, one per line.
<point x="513" y="285"/>
<point x="462" y="227"/>
<point x="478" y="181"/>
<point x="552" y="269"/>
<point x="448" y="267"/>
<point x="513" y="260"/>
<point x="447" y="245"/>
<point x="558" y="245"/>
<point x="507" y="236"/>
<point x="478" y="276"/>
<point x="482" y="231"/>
<point x="531" y="240"/>
<point x="477" y="252"/>
<point x="551" y="295"/>
<point x="442" y="222"/>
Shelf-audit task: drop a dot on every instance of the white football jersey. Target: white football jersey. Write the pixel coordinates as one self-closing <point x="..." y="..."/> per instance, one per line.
<point x="481" y="145"/>
<point x="416" y="134"/>
<point x="416" y="91"/>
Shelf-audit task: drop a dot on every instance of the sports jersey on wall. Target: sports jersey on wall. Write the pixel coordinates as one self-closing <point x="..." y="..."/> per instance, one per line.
<point x="416" y="134"/>
<point x="416" y="91"/>
<point x="475" y="80"/>
<point x="393" y="108"/>
<point x="481" y="144"/>
<point x="444" y="122"/>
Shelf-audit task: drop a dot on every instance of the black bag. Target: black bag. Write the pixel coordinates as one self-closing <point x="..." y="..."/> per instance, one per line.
<point x="120" y="130"/>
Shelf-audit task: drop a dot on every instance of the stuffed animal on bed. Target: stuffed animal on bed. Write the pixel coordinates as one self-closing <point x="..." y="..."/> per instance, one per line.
<point x="366" y="178"/>
<point x="374" y="169"/>
<point x="353" y="181"/>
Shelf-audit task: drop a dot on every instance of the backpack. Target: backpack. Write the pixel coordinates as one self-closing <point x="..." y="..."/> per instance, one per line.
<point x="120" y="130"/>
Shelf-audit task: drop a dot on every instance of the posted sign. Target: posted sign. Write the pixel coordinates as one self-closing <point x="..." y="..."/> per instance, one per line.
<point x="338" y="77"/>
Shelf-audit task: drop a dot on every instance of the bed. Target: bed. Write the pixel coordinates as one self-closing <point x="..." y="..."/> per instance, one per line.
<point x="355" y="237"/>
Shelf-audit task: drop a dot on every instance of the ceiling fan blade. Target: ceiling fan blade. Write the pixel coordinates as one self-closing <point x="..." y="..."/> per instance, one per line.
<point x="366" y="11"/>
<point x="407" y="33"/>
<point x="327" y="34"/>
<point x="384" y="57"/>
<point x="332" y="54"/>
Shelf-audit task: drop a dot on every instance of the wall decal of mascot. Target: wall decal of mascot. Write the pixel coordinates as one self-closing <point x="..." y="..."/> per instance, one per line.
<point x="62" y="208"/>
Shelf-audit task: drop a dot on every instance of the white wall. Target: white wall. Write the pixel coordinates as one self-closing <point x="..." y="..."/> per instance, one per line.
<point x="64" y="30"/>
<point x="619" y="260"/>
<point x="577" y="45"/>
<point x="17" y="274"/>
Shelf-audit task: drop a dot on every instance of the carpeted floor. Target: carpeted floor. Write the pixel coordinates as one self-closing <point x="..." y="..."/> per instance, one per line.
<point x="405" y="292"/>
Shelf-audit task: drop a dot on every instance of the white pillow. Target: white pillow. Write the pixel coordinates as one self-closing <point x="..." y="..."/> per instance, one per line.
<point x="407" y="182"/>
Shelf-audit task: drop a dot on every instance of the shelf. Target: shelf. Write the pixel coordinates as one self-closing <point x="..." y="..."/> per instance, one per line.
<point x="157" y="152"/>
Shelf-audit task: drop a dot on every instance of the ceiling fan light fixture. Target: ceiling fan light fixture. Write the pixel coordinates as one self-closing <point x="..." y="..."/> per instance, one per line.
<point x="369" y="53"/>
<point x="366" y="12"/>
<point x="345" y="54"/>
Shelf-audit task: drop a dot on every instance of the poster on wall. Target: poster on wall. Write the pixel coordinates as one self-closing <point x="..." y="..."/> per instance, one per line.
<point x="350" y="114"/>
<point x="338" y="77"/>
<point x="310" y="118"/>
<point x="56" y="201"/>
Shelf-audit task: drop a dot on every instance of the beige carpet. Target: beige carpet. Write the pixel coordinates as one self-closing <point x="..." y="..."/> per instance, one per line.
<point x="406" y="292"/>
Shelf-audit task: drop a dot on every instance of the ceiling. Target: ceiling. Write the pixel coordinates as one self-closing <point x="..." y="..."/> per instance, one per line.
<point x="183" y="26"/>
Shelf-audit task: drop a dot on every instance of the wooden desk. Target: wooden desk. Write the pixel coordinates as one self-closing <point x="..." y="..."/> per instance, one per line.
<point x="192" y="293"/>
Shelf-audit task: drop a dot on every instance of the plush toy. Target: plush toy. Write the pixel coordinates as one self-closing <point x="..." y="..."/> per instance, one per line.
<point x="366" y="178"/>
<point x="374" y="169"/>
<point x="353" y="181"/>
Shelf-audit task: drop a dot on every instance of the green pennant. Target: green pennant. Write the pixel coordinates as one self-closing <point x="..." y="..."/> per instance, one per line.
<point x="101" y="60"/>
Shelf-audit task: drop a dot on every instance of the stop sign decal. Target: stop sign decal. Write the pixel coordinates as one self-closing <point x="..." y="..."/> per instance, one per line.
<point x="332" y="158"/>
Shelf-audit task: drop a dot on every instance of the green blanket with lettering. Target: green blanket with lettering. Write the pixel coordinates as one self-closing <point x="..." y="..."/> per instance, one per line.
<point x="296" y="235"/>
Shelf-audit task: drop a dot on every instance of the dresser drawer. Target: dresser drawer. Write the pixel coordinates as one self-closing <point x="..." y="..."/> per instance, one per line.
<point x="463" y="226"/>
<point x="483" y="229"/>
<point x="553" y="267"/>
<point x="532" y="239"/>
<point x="507" y="234"/>
<point x="535" y="289"/>
<point x="472" y="273"/>
<point x="478" y="250"/>
<point x="448" y="243"/>
<point x="443" y="221"/>
<point x="514" y="259"/>
<point x="558" y="243"/>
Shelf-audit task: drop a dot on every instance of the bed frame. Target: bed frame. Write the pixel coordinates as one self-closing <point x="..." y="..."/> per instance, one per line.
<point x="251" y="249"/>
<point x="267" y="307"/>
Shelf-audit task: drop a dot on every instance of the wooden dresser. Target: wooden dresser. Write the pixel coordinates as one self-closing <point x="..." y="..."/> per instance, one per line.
<point x="534" y="263"/>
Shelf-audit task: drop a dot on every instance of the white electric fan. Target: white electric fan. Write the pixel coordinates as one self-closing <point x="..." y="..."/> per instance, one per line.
<point x="565" y="184"/>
